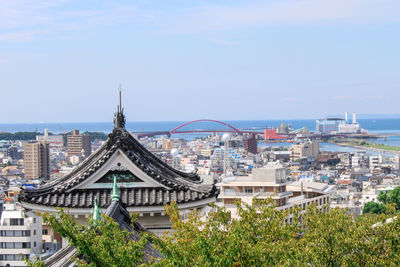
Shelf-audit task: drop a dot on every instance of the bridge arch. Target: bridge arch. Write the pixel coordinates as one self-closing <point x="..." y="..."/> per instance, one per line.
<point x="190" y="122"/>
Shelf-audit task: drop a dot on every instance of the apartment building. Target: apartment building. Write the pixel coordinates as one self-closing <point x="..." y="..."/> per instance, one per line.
<point x="250" y="144"/>
<point x="36" y="160"/>
<point x="78" y="144"/>
<point x="20" y="236"/>
<point x="308" y="150"/>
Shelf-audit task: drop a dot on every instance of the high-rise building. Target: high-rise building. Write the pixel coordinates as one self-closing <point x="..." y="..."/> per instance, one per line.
<point x="36" y="160"/>
<point x="250" y="144"/>
<point x="79" y="144"/>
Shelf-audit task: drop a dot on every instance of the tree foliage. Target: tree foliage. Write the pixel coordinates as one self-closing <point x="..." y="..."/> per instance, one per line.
<point x="25" y="136"/>
<point x="373" y="207"/>
<point x="102" y="245"/>
<point x="263" y="236"/>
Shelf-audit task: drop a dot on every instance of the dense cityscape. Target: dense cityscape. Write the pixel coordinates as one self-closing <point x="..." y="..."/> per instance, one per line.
<point x="199" y="133"/>
<point x="283" y="164"/>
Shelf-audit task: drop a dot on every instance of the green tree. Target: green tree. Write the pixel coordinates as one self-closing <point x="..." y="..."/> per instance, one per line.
<point x="394" y="197"/>
<point x="101" y="245"/>
<point x="259" y="238"/>
<point x="373" y="207"/>
<point x="383" y="197"/>
<point x="260" y="235"/>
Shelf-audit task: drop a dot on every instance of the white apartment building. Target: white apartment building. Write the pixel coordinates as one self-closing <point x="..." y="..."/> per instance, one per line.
<point x="271" y="182"/>
<point x="20" y="236"/>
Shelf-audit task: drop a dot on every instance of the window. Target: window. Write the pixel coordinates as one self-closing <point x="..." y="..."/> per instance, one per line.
<point x="248" y="190"/>
<point x="45" y="232"/>
<point x="34" y="244"/>
<point x="27" y="233"/>
<point x="34" y="220"/>
<point x="16" y="221"/>
<point x="7" y="233"/>
<point x="18" y="233"/>
<point x="13" y="221"/>
<point x="34" y="232"/>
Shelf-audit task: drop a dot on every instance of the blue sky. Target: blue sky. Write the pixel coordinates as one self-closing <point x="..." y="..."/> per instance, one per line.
<point x="62" y="60"/>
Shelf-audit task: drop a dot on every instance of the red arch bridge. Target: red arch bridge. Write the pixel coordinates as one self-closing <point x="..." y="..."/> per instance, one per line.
<point x="179" y="130"/>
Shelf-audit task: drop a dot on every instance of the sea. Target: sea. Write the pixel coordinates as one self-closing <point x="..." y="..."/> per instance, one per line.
<point x="381" y="126"/>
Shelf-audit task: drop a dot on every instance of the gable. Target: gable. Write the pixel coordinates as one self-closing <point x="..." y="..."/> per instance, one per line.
<point x="128" y="175"/>
<point x="123" y="176"/>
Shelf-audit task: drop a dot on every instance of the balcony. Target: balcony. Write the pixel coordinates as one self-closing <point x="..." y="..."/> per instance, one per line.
<point x="274" y="195"/>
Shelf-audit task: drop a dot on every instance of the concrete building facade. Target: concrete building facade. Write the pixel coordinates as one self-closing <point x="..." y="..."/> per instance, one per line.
<point x="308" y="150"/>
<point x="20" y="236"/>
<point x="78" y="144"/>
<point x="36" y="160"/>
<point x="250" y="144"/>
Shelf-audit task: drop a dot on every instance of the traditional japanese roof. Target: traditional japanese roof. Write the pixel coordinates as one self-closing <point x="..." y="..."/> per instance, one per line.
<point x="150" y="182"/>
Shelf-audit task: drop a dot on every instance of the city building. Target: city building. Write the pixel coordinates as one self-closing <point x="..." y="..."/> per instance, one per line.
<point x="350" y="128"/>
<point x="271" y="134"/>
<point x="328" y="125"/>
<point x="52" y="140"/>
<point x="14" y="153"/>
<point x="146" y="183"/>
<point x="309" y="150"/>
<point x="270" y="182"/>
<point x="78" y="144"/>
<point x="167" y="144"/>
<point x="20" y="236"/>
<point x="284" y="128"/>
<point x="250" y="144"/>
<point x="36" y="160"/>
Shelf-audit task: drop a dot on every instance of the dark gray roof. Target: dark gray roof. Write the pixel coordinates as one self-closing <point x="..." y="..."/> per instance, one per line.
<point x="122" y="217"/>
<point x="178" y="186"/>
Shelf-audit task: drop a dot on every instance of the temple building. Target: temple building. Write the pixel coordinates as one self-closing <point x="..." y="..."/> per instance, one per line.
<point x="146" y="183"/>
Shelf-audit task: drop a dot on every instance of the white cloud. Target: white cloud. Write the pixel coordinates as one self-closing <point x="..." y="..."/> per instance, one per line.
<point x="21" y="36"/>
<point x="262" y="13"/>
<point x="60" y="16"/>
<point x="23" y="20"/>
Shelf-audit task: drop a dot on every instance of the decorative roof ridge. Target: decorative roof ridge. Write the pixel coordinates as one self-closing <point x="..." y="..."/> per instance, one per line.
<point x="193" y="177"/>
<point x="54" y="184"/>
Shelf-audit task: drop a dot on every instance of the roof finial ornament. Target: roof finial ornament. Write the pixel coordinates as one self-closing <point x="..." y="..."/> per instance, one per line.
<point x="115" y="192"/>
<point x="95" y="213"/>
<point x="119" y="118"/>
<point x="120" y="99"/>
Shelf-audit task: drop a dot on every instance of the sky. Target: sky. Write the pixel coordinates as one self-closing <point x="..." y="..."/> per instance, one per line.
<point x="63" y="60"/>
